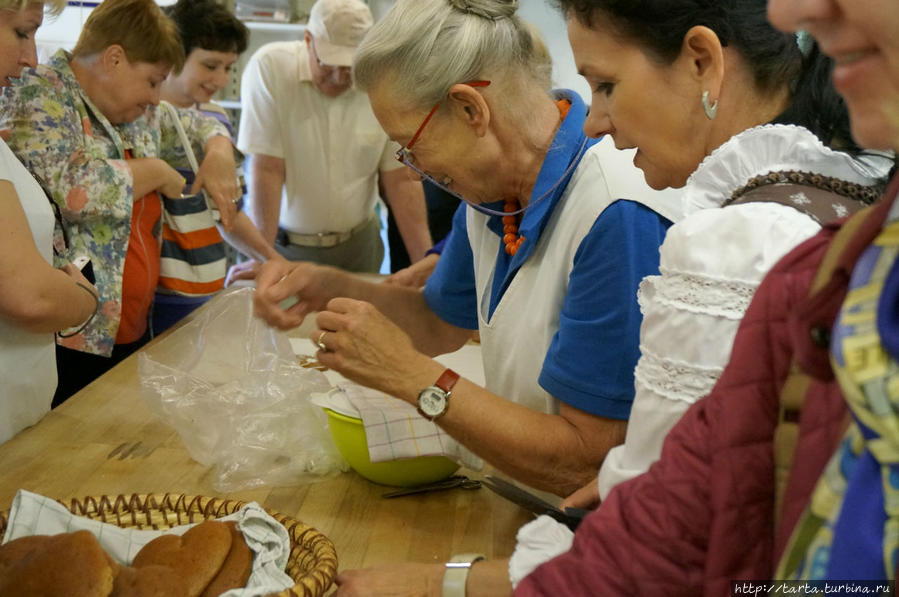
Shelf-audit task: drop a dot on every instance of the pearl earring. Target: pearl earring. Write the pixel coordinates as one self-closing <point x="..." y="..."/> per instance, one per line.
<point x="711" y="110"/>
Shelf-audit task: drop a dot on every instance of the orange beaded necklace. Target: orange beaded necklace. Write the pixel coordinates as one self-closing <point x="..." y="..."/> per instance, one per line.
<point x="510" y="227"/>
<point x="510" y="223"/>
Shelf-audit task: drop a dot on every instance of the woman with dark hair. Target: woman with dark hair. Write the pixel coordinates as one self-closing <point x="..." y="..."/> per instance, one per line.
<point x="213" y="38"/>
<point x="738" y="114"/>
<point x="748" y="122"/>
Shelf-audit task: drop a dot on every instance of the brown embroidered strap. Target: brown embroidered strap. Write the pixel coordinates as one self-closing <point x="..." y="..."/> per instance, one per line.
<point x="822" y="198"/>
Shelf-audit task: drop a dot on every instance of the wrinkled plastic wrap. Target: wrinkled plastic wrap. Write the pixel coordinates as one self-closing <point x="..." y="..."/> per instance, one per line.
<point x="235" y="392"/>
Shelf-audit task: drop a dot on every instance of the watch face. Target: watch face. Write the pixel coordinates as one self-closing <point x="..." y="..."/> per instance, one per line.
<point x="432" y="401"/>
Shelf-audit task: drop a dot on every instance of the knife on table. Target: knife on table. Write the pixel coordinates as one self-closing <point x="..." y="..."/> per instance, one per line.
<point x="570" y="517"/>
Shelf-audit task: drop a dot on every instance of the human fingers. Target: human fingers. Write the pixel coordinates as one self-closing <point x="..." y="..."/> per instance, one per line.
<point x="269" y="295"/>
<point x="172" y="184"/>
<point x="70" y="269"/>
<point x="224" y="201"/>
<point x="246" y="270"/>
<point x="283" y="292"/>
<point x="586" y="497"/>
<point x="73" y="272"/>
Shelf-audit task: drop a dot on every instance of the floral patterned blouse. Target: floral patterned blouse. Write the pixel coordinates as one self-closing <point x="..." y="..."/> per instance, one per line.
<point x="79" y="157"/>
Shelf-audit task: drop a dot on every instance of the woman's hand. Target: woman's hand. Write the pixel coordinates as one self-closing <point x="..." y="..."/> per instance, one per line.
<point x="408" y="579"/>
<point x="278" y="282"/>
<point x="171" y="183"/>
<point x="218" y="177"/>
<point x="587" y="497"/>
<point x="245" y="270"/>
<point x="365" y="346"/>
<point x="76" y="275"/>
<point x="416" y="274"/>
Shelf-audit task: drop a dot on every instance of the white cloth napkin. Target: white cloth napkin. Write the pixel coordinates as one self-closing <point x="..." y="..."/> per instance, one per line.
<point x="537" y="542"/>
<point x="33" y="514"/>
<point x="394" y="429"/>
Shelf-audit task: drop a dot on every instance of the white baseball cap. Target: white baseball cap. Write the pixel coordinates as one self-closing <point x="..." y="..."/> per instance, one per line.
<point x="338" y="26"/>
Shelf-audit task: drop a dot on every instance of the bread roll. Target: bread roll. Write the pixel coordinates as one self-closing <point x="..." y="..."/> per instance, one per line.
<point x="236" y="570"/>
<point x="196" y="556"/>
<point x="70" y="564"/>
<point x="149" y="581"/>
<point x="13" y="552"/>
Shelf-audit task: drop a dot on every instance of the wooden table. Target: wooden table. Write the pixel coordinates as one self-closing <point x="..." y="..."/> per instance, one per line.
<point x="104" y="440"/>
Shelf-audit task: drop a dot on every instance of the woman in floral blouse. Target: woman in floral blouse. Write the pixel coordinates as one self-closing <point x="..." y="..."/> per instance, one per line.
<point x="85" y="126"/>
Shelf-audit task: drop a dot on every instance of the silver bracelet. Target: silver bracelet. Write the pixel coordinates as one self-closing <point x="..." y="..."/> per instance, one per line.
<point x="90" y="318"/>
<point x="456" y="574"/>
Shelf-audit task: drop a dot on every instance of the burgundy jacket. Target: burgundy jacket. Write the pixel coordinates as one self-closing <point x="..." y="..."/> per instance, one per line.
<point x="703" y="515"/>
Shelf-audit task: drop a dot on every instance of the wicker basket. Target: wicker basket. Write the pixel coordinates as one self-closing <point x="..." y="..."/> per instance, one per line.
<point x="312" y="563"/>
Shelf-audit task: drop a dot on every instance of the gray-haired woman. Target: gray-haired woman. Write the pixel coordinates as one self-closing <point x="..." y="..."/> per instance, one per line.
<point x="544" y="259"/>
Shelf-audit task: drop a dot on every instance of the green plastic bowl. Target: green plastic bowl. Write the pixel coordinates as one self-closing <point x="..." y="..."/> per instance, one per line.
<point x="349" y="436"/>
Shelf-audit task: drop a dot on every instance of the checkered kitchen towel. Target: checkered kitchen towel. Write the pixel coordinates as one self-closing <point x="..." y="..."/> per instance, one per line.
<point x="33" y="514"/>
<point x="395" y="430"/>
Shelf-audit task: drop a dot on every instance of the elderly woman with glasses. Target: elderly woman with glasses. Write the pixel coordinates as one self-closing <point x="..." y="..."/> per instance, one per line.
<point x="554" y="235"/>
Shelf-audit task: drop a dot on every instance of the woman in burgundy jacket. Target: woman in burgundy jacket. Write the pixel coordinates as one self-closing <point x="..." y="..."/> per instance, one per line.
<point x="702" y="517"/>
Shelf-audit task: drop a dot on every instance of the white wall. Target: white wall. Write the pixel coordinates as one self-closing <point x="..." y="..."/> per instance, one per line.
<point x="551" y="25"/>
<point x="63" y="31"/>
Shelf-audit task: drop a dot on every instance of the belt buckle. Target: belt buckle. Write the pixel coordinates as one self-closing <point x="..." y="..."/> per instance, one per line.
<point x="328" y="239"/>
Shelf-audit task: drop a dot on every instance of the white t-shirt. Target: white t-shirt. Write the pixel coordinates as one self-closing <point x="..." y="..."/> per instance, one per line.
<point x="333" y="148"/>
<point x="27" y="360"/>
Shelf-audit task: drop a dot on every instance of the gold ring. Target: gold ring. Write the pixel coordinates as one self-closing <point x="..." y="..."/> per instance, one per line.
<point x="320" y="342"/>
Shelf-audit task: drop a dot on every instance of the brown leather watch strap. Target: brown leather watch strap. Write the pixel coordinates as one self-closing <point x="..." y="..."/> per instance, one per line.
<point x="447" y="380"/>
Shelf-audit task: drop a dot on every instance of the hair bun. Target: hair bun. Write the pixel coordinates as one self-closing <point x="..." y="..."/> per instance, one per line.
<point x="493" y="10"/>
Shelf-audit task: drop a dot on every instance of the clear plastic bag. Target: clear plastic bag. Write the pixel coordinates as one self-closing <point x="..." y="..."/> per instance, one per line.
<point x="233" y="389"/>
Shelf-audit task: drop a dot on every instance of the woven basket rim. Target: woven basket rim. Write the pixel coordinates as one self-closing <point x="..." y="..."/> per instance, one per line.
<point x="137" y="510"/>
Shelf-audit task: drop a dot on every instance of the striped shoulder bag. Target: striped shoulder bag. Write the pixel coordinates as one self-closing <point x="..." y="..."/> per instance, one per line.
<point x="193" y="259"/>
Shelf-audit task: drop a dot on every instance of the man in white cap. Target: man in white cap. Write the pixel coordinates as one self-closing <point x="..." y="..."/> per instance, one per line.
<point x="317" y="155"/>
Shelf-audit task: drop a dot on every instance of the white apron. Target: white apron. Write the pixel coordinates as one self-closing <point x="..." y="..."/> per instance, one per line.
<point x="515" y="340"/>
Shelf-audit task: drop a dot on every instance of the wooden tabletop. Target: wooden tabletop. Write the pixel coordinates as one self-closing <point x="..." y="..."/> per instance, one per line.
<point x="104" y="440"/>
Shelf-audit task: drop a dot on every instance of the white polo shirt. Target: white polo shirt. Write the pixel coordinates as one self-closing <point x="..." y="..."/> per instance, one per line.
<point x="333" y="148"/>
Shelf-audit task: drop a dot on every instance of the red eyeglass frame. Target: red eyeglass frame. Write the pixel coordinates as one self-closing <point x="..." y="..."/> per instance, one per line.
<point x="400" y="153"/>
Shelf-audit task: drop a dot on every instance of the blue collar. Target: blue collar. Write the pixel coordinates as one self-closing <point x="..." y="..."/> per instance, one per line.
<point x="568" y="147"/>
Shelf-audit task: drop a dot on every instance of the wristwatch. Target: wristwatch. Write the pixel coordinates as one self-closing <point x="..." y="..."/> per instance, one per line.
<point x="434" y="400"/>
<point x="456" y="573"/>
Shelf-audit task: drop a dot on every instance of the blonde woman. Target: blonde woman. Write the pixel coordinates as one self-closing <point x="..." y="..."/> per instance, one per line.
<point x="36" y="298"/>
<point x="84" y="125"/>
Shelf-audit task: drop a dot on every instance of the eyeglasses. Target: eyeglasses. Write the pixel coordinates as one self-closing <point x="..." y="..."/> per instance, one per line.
<point x="328" y="68"/>
<point x="403" y="153"/>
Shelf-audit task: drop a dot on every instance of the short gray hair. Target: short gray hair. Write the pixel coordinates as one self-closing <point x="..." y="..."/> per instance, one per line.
<point x="424" y="47"/>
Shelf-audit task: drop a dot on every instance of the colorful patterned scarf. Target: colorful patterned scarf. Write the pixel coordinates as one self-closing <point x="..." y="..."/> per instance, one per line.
<point x="850" y="529"/>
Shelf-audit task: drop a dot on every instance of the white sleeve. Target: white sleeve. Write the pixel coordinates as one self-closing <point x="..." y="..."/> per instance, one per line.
<point x="711" y="264"/>
<point x="537" y="542"/>
<point x="260" y="130"/>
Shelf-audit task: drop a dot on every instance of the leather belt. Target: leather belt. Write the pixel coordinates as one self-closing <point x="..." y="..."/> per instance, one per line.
<point x="323" y="240"/>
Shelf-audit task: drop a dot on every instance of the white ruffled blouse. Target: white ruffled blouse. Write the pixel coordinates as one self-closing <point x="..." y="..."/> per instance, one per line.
<point x="711" y="263"/>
